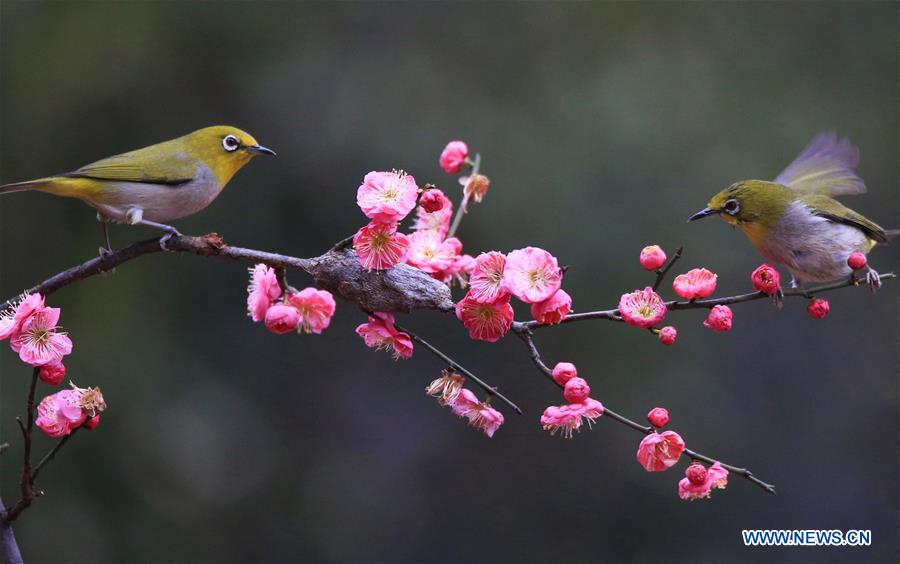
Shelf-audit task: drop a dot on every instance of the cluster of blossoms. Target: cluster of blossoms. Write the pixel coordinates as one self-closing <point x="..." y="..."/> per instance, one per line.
<point x="568" y="418"/>
<point x="306" y="311"/>
<point x="32" y="330"/>
<point x="659" y="451"/>
<point x="449" y="391"/>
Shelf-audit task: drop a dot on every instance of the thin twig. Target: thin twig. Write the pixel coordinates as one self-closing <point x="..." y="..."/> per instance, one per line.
<point x="461" y="210"/>
<point x="524" y="332"/>
<point x="661" y="274"/>
<point x="26" y="482"/>
<point x="492" y="390"/>
<point x="49" y="456"/>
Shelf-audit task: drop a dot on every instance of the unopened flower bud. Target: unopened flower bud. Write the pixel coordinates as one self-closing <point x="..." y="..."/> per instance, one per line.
<point x="431" y="201"/>
<point x="818" y="308"/>
<point x="696" y="473"/>
<point x="91" y="422"/>
<point x="658" y="417"/>
<point x="857" y="261"/>
<point x="766" y="279"/>
<point x="563" y="372"/>
<point x="282" y="319"/>
<point x="667" y="335"/>
<point x="652" y="257"/>
<point x="53" y="374"/>
<point x="576" y="390"/>
<point x="719" y="319"/>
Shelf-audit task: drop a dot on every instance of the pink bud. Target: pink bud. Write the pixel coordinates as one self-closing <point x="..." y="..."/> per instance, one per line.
<point x="91" y="422"/>
<point x="652" y="257"/>
<point x="53" y="374"/>
<point x="696" y="473"/>
<point x="453" y="156"/>
<point x="576" y="390"/>
<point x="432" y="201"/>
<point x="857" y="261"/>
<point x="658" y="417"/>
<point x="818" y="308"/>
<point x="766" y="279"/>
<point x="282" y="319"/>
<point x="719" y="319"/>
<point x="667" y="335"/>
<point x="563" y="372"/>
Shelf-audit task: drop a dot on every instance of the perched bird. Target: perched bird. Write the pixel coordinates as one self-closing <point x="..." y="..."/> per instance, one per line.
<point x="157" y="184"/>
<point x="795" y="222"/>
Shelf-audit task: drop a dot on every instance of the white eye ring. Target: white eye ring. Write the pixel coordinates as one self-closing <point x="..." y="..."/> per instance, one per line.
<point x="732" y="207"/>
<point x="230" y="142"/>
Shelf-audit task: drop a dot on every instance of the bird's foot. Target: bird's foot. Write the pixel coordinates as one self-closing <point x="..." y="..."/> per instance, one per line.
<point x="778" y="298"/>
<point x="873" y="279"/>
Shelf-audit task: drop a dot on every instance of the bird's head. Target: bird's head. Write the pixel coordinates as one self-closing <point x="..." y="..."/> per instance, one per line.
<point x="755" y="206"/>
<point x="224" y="149"/>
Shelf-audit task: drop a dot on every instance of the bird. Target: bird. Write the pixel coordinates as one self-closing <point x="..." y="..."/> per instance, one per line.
<point x="157" y="184"/>
<point x="794" y="220"/>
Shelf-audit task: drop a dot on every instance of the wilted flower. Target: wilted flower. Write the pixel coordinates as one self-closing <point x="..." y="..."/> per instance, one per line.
<point x="387" y="196"/>
<point x="476" y="187"/>
<point x="719" y="319"/>
<point x="379" y="246"/>
<point x="659" y="451"/>
<point x="696" y="283"/>
<point x="642" y="308"/>
<point x="453" y="156"/>
<point x="446" y="388"/>
<point x="532" y="274"/>
<point x="485" y="322"/>
<point x="554" y="309"/>
<point x="379" y="333"/>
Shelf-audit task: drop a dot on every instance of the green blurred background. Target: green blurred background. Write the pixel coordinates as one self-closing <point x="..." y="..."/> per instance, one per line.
<point x="603" y="126"/>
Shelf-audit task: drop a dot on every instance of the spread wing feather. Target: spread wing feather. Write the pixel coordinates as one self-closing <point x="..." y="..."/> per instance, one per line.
<point x="833" y="210"/>
<point x="826" y="166"/>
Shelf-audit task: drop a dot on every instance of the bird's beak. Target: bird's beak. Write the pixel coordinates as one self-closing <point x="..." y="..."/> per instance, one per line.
<point x="703" y="213"/>
<point x="259" y="149"/>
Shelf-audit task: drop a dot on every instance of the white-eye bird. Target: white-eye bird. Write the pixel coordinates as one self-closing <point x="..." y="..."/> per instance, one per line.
<point x="795" y="222"/>
<point x="157" y="184"/>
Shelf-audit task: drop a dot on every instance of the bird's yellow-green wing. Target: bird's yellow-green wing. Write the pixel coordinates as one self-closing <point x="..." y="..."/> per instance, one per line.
<point x="826" y="166"/>
<point x="157" y="164"/>
<point x="833" y="210"/>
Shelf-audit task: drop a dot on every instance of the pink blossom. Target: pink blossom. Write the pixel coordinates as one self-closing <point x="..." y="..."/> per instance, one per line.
<point x="38" y="342"/>
<point x="387" y="197"/>
<point x="667" y="335"/>
<point x="696" y="283"/>
<point x="719" y="319"/>
<point x="480" y="414"/>
<point x="658" y="417"/>
<point x="486" y="281"/>
<point x="563" y="372"/>
<point x="432" y="200"/>
<point x="463" y="265"/>
<point x="642" y="308"/>
<point x="652" y="257"/>
<point x="659" y="451"/>
<point x="52" y="374"/>
<point x="566" y="419"/>
<point x="699" y="481"/>
<point x="281" y="319"/>
<point x="554" y="309"/>
<point x="316" y="307"/>
<point x="60" y="413"/>
<point x="379" y="333"/>
<point x="532" y="274"/>
<point x="857" y="261"/>
<point x="453" y="156"/>
<point x="12" y="319"/>
<point x="818" y="308"/>
<point x="576" y="390"/>
<point x="430" y="254"/>
<point x="262" y="291"/>
<point x="446" y="388"/>
<point x="766" y="279"/>
<point x="379" y="246"/>
<point x="485" y="322"/>
<point x="438" y="220"/>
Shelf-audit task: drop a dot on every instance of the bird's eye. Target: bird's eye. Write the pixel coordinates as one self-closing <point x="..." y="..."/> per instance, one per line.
<point x="732" y="207"/>
<point x="230" y="142"/>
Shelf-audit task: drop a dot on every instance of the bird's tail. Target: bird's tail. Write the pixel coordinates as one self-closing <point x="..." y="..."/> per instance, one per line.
<point x="23" y="186"/>
<point x="891" y="234"/>
<point x="56" y="185"/>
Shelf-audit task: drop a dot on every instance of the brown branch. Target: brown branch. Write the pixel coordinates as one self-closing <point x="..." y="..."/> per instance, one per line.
<point x="661" y="274"/>
<point x="26" y="482"/>
<point x="524" y="332"/>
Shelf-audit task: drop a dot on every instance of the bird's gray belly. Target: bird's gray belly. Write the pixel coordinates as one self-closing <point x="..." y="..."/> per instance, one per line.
<point x="812" y="248"/>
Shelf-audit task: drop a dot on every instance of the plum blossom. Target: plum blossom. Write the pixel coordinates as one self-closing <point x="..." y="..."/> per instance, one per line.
<point x="476" y="187"/>
<point x="719" y="319"/>
<point x="480" y="415"/>
<point x="281" y="319"/>
<point x="438" y="220"/>
<point x="12" y="319"/>
<point x="642" y="308"/>
<point x="432" y="200"/>
<point x="380" y="334"/>
<point x="52" y="374"/>
<point x="658" y="417"/>
<point x="766" y="279"/>
<point x="431" y="254"/>
<point x="315" y="307"/>
<point x="696" y="283"/>
<point x="532" y="274"/>
<point x="262" y="291"/>
<point x="576" y="390"/>
<point x="554" y="309"/>
<point x="38" y="342"/>
<point x="453" y="156"/>
<point x="818" y="308"/>
<point x="379" y="246"/>
<point x="446" y="388"/>
<point x="563" y="372"/>
<point x="61" y="413"/>
<point x="660" y="451"/>
<point x="566" y="419"/>
<point x="699" y="481"/>
<point x="486" y="281"/>
<point x="485" y="322"/>
<point x="667" y="335"/>
<point x="652" y="257"/>
<point x="387" y="197"/>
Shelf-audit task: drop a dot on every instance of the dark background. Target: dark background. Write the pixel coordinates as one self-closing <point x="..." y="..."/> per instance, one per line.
<point x="603" y="126"/>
